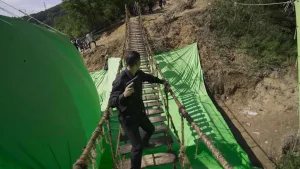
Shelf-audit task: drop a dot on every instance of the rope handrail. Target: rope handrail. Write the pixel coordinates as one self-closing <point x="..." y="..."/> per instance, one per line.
<point x="9" y="12"/>
<point x="83" y="161"/>
<point x="201" y="134"/>
<point x="185" y="159"/>
<point x="220" y="158"/>
<point x="262" y="4"/>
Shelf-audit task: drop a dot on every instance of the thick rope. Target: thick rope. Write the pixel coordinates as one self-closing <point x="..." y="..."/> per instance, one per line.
<point x="117" y="148"/>
<point x="182" y="155"/>
<point x="9" y="12"/>
<point x="83" y="161"/>
<point x="262" y="4"/>
<point x="110" y="141"/>
<point x="168" y="120"/>
<point x="217" y="154"/>
<point x="203" y="136"/>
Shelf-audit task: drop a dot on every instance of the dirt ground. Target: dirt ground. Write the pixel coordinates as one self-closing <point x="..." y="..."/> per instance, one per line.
<point x="265" y="102"/>
<point x="109" y="43"/>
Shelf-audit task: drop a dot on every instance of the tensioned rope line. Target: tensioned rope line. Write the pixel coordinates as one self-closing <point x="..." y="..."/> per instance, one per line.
<point x="84" y="160"/>
<point x="31" y="17"/>
<point x="217" y="154"/>
<point x="262" y="4"/>
<point x="9" y="12"/>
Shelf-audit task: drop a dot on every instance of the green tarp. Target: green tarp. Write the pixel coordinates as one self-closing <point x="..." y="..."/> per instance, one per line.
<point x="182" y="68"/>
<point x="49" y="105"/>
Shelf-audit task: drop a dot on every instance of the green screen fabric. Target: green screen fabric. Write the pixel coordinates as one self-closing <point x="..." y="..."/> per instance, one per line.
<point x="103" y="81"/>
<point x="49" y="105"/>
<point x="182" y="68"/>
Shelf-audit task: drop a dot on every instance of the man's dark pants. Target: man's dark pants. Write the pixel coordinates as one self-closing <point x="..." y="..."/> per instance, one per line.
<point x="131" y="129"/>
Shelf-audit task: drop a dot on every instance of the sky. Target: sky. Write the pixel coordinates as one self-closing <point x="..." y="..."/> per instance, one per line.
<point x="30" y="6"/>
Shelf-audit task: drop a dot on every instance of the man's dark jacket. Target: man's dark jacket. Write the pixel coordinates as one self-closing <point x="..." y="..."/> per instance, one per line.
<point x="131" y="106"/>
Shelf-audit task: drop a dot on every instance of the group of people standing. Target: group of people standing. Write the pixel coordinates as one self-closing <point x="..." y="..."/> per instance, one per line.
<point x="152" y="2"/>
<point x="82" y="44"/>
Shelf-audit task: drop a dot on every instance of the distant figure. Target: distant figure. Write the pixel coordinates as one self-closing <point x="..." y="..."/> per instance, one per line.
<point x="106" y="63"/>
<point x="150" y="5"/>
<point x="160" y="4"/>
<point x="90" y="40"/>
<point x="136" y="9"/>
<point x="74" y="43"/>
<point x="79" y="44"/>
<point x="164" y="2"/>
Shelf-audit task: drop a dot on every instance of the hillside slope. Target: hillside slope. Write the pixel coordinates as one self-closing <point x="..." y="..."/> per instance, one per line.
<point x="264" y="101"/>
<point x="46" y="16"/>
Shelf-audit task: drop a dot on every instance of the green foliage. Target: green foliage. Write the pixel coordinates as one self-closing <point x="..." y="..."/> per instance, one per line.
<point x="77" y="17"/>
<point x="265" y="32"/>
<point x="82" y="16"/>
<point x="46" y="16"/>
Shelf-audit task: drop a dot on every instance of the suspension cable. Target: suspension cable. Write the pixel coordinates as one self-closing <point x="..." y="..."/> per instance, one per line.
<point x="84" y="159"/>
<point x="42" y="23"/>
<point x="262" y="4"/>
<point x="9" y="12"/>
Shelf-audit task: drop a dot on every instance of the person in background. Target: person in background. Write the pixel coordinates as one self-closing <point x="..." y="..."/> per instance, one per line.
<point x="79" y="44"/>
<point x="136" y="8"/>
<point x="164" y="2"/>
<point x="90" y="40"/>
<point x="127" y="98"/>
<point x="160" y="4"/>
<point x="74" y="43"/>
<point x="150" y="5"/>
<point x="106" y="63"/>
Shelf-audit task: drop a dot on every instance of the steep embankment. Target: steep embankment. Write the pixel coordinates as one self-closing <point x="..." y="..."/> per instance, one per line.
<point x="109" y="43"/>
<point x="264" y="101"/>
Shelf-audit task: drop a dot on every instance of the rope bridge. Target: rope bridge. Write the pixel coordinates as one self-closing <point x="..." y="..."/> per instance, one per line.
<point x="154" y="97"/>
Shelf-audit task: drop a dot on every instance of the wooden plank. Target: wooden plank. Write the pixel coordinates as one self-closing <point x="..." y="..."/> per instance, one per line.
<point x="150" y="91"/>
<point x="149" y="85"/>
<point x="150" y="97"/>
<point x="157" y="119"/>
<point x="158" y="141"/>
<point x="154" y="111"/>
<point x="150" y="160"/>
<point x="158" y="129"/>
<point x="153" y="103"/>
<point x="147" y="71"/>
<point x="138" y="49"/>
